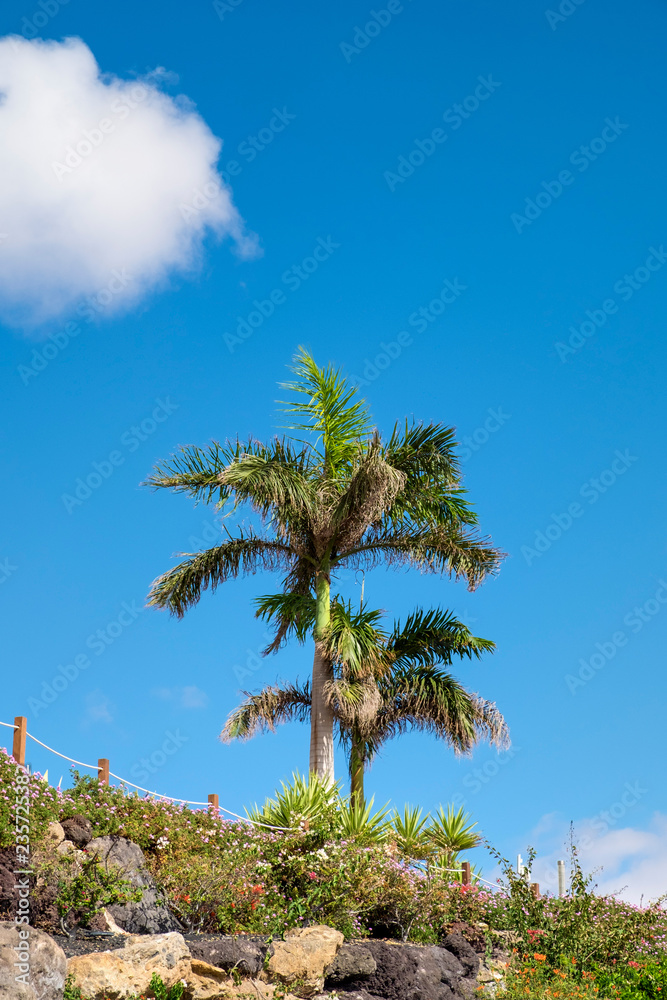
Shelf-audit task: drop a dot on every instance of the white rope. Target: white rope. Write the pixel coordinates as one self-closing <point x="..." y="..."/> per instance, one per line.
<point x="244" y="819"/>
<point x="93" y="767"/>
<point x="168" y="798"/>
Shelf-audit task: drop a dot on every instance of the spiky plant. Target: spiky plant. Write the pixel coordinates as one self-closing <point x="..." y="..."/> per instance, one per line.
<point x="344" y="498"/>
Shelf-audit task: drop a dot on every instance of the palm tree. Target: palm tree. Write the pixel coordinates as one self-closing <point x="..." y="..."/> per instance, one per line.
<point x="343" y="499"/>
<point x="382" y="685"/>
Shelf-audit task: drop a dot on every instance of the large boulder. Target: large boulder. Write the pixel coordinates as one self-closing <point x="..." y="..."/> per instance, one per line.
<point x="421" y="973"/>
<point x="227" y="953"/>
<point x="78" y="829"/>
<point x="352" y="962"/>
<point x="464" y="951"/>
<point x="42" y="965"/>
<point x="127" y="971"/>
<point x="303" y="957"/>
<point x="149" y="916"/>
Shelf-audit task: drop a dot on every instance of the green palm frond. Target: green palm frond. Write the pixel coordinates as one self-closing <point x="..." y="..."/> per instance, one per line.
<point x="425" y="455"/>
<point x="450" y="552"/>
<point x="276" y="480"/>
<point x="434" y="636"/>
<point x="181" y="587"/>
<point x="331" y="409"/>
<point x="194" y="471"/>
<point x="428" y="699"/>
<point x="262" y="712"/>
<point x="354" y="639"/>
<point x="290" y="613"/>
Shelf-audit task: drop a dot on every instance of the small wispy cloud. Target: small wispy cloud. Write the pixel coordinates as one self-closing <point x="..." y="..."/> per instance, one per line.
<point x="98" y="708"/>
<point x="187" y="697"/>
<point x="628" y="861"/>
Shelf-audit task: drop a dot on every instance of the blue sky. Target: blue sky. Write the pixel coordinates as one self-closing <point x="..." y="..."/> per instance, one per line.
<point x="540" y="200"/>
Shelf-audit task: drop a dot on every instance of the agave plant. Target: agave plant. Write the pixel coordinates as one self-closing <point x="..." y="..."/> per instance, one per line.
<point x="301" y="804"/>
<point x="411" y="833"/>
<point x="450" y="833"/>
<point x="357" y="820"/>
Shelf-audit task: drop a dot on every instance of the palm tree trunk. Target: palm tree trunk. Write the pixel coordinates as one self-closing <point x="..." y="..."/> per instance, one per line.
<point x="356" y="770"/>
<point x="321" y="714"/>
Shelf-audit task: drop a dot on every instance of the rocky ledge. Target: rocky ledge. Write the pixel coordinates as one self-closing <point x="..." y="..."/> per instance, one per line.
<point x="311" y="962"/>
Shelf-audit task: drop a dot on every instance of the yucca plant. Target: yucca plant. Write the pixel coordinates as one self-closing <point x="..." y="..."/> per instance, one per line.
<point x="343" y="498"/>
<point x="357" y="820"/>
<point x="303" y="803"/>
<point x="410" y="831"/>
<point x="449" y="833"/>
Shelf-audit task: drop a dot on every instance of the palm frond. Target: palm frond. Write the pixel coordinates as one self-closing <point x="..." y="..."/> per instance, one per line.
<point x="331" y="409"/>
<point x="434" y="636"/>
<point x="289" y="613"/>
<point x="181" y="587"/>
<point x="275" y="479"/>
<point x="354" y="639"/>
<point x="192" y="470"/>
<point x="452" y="551"/>
<point x="430" y="700"/>
<point x="262" y="712"/>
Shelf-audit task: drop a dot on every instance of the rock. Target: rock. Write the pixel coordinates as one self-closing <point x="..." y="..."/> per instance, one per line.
<point x="78" y="829"/>
<point x="7" y="882"/>
<point x="206" y="982"/>
<point x="352" y="961"/>
<point x="473" y="935"/>
<point x="67" y="847"/>
<point x="126" y="971"/>
<point x="150" y="915"/>
<point x="303" y="956"/>
<point x="464" y="951"/>
<point x="46" y="962"/>
<point x="422" y="973"/>
<point x="229" y="953"/>
<point x="55" y="834"/>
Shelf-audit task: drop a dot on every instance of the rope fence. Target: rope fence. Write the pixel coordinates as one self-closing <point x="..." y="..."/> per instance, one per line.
<point x="20" y="727"/>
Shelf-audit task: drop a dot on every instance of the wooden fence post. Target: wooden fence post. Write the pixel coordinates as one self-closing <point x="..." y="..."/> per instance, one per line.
<point x="213" y="801"/>
<point x="18" y="749"/>
<point x="103" y="770"/>
<point x="467" y="878"/>
<point x="535" y="889"/>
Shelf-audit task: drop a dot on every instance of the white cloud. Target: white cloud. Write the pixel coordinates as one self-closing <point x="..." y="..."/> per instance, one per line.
<point x="107" y="186"/>
<point x="627" y="861"/>
<point x="186" y="697"/>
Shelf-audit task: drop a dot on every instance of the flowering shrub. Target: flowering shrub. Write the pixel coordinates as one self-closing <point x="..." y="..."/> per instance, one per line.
<point x="232" y="877"/>
<point x="533" y="978"/>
